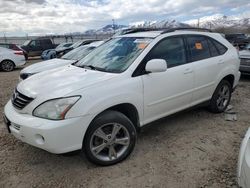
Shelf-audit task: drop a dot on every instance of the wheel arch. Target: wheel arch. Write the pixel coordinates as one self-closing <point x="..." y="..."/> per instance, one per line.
<point x="128" y="109"/>
<point x="8" y="60"/>
<point x="230" y="78"/>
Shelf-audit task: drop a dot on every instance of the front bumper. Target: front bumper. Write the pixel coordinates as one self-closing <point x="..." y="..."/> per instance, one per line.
<point x="54" y="136"/>
<point x="243" y="170"/>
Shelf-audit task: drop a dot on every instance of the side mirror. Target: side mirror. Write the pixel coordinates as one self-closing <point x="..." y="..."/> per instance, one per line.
<point x="156" y="65"/>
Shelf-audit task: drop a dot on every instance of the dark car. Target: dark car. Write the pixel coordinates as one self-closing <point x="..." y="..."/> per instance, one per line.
<point x="13" y="47"/>
<point x="239" y="40"/>
<point x="245" y="60"/>
<point x="35" y="47"/>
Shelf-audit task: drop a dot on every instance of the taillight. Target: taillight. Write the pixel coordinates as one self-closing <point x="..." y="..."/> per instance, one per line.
<point x="18" y="52"/>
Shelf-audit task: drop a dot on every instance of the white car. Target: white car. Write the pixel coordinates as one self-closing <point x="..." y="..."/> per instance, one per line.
<point x="10" y="59"/>
<point x="244" y="162"/>
<point x="67" y="59"/>
<point x="98" y="104"/>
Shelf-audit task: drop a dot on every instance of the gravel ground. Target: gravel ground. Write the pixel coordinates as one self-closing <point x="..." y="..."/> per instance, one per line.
<point x="190" y="149"/>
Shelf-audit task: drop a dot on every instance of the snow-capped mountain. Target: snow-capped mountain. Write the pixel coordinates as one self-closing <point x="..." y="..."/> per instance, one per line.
<point x="210" y="22"/>
<point x="158" y="24"/>
<point x="220" y="21"/>
<point x="105" y="30"/>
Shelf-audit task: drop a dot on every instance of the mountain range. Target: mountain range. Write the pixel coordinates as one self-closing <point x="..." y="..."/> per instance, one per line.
<point x="211" y="22"/>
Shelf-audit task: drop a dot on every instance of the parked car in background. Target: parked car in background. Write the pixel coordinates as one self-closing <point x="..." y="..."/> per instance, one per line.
<point x="238" y="40"/>
<point x="99" y="103"/>
<point x="53" y="53"/>
<point x="245" y="60"/>
<point x="67" y="59"/>
<point x="35" y="47"/>
<point x="13" y="47"/>
<point x="243" y="170"/>
<point x="10" y="59"/>
<point x="75" y="45"/>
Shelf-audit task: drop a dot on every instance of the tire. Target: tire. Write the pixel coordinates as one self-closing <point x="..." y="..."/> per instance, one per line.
<point x="110" y="139"/>
<point x="221" y="97"/>
<point x="52" y="56"/>
<point x="7" y="65"/>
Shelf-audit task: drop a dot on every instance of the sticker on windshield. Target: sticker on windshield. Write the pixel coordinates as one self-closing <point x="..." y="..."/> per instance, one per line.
<point x="198" y="46"/>
<point x="142" y="45"/>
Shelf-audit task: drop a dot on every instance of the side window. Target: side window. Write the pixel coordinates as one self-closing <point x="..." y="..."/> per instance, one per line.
<point x="213" y="50"/>
<point x="171" y="49"/>
<point x="33" y="43"/>
<point x="198" y="47"/>
<point x="221" y="48"/>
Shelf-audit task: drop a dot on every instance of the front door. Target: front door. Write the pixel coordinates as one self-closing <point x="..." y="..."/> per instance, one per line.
<point x="170" y="91"/>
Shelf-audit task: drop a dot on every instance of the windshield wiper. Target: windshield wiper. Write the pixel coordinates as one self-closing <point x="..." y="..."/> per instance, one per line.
<point x="89" y="67"/>
<point x="94" y="68"/>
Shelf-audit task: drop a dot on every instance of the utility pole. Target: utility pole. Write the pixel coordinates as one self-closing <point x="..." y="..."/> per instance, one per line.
<point x="113" y="21"/>
<point x="5" y="39"/>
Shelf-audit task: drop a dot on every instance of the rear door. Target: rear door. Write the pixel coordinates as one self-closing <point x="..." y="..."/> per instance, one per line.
<point x="207" y="64"/>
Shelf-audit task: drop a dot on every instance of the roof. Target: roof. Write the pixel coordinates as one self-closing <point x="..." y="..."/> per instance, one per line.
<point x="148" y="34"/>
<point x="154" y="32"/>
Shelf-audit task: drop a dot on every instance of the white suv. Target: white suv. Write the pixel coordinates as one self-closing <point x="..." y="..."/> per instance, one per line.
<point x="98" y="104"/>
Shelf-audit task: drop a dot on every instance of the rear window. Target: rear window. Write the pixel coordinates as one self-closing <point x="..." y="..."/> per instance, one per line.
<point x="198" y="47"/>
<point x="213" y="50"/>
<point x="220" y="47"/>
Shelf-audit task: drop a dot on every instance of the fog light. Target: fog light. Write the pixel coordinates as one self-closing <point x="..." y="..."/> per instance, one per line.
<point x="39" y="139"/>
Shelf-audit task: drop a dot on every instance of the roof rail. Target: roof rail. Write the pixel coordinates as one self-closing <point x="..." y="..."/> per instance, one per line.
<point x="141" y="29"/>
<point x="187" y="28"/>
<point x="164" y="30"/>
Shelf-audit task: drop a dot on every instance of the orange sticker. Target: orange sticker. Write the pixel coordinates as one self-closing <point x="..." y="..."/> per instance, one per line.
<point x="198" y="46"/>
<point x="142" y="45"/>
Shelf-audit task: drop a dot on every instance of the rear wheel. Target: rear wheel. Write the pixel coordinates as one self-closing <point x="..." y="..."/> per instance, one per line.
<point x="110" y="138"/>
<point x="7" y="65"/>
<point x="221" y="97"/>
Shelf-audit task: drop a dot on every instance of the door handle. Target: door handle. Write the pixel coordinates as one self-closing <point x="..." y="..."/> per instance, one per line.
<point x="188" y="71"/>
<point x="221" y="61"/>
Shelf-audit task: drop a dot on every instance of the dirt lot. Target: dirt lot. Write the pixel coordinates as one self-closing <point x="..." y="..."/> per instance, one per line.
<point x="191" y="149"/>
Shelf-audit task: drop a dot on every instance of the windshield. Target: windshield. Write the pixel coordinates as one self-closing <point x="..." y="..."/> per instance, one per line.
<point x="76" y="44"/>
<point x="115" y="55"/>
<point x="60" y="46"/>
<point x="26" y="42"/>
<point x="78" y="53"/>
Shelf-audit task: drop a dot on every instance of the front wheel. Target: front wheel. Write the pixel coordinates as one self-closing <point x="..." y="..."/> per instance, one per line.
<point x="110" y="138"/>
<point x="221" y="97"/>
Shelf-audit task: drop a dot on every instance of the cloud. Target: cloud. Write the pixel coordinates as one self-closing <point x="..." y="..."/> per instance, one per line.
<point x="63" y="16"/>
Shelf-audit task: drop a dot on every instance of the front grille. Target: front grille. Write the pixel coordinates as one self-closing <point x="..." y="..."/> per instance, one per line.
<point x="244" y="61"/>
<point x="19" y="100"/>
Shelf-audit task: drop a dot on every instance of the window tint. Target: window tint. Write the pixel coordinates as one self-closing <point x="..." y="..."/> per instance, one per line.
<point x="221" y="48"/>
<point x="213" y="50"/>
<point x="198" y="47"/>
<point x="171" y="49"/>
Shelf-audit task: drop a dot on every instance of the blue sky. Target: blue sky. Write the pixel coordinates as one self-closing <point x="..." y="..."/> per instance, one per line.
<point x="19" y="17"/>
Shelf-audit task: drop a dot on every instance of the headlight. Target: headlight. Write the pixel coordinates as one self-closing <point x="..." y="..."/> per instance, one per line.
<point x="55" y="109"/>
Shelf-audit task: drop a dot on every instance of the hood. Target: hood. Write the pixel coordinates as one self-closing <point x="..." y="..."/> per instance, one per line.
<point x="46" y="65"/>
<point x="61" y="81"/>
<point x="244" y="54"/>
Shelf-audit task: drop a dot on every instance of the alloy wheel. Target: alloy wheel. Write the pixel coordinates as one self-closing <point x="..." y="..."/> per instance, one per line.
<point x="223" y="97"/>
<point x="109" y="142"/>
